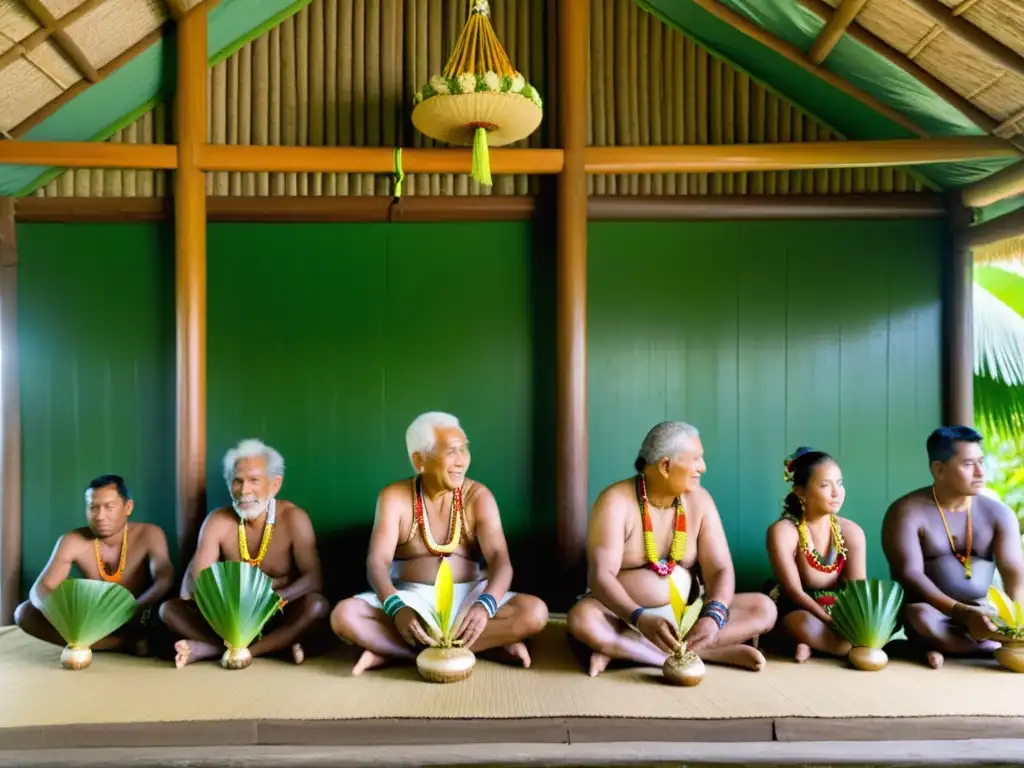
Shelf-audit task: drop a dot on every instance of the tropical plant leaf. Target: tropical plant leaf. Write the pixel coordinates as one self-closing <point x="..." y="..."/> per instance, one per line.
<point x="866" y="611"/>
<point x="999" y="349"/>
<point x="84" y="611"/>
<point x="1007" y="612"/>
<point x="690" y="616"/>
<point x="444" y="591"/>
<point x="236" y="599"/>
<point x="677" y="601"/>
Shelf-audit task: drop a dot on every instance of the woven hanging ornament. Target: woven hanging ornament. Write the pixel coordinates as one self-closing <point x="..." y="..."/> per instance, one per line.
<point x="479" y="98"/>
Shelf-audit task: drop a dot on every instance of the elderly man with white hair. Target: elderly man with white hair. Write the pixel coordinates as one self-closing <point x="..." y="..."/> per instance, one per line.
<point x="658" y="525"/>
<point x="270" y="533"/>
<point x="406" y="549"/>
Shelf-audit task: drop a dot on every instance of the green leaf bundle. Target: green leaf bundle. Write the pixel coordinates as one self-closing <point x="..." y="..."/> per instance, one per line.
<point x="237" y="600"/>
<point x="84" y="611"/>
<point x="866" y="611"/>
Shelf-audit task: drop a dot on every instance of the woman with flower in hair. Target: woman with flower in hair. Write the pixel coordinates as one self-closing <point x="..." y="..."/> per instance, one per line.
<point x="812" y="551"/>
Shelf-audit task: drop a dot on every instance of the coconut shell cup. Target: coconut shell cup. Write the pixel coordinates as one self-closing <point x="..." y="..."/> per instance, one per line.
<point x="1010" y="654"/>
<point x="868" y="659"/>
<point x="75" y="658"/>
<point x="445" y="665"/>
<point x="686" y="669"/>
<point x="236" y="658"/>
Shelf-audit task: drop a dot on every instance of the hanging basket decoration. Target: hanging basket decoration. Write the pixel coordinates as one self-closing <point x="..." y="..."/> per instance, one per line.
<point x="479" y="98"/>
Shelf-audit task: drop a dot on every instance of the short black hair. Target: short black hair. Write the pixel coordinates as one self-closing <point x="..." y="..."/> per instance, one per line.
<point x="942" y="442"/>
<point x="115" y="480"/>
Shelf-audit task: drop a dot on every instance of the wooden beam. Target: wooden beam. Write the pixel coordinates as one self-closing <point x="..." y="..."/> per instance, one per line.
<point x="89" y="154"/>
<point x="177" y="9"/>
<point x="796" y="56"/>
<point x="67" y="45"/>
<point x="10" y="447"/>
<point x="1000" y="185"/>
<point x="484" y="208"/>
<point x="37" y="38"/>
<point x="963" y="105"/>
<point x="226" y="157"/>
<point x="190" y="272"/>
<point x="837" y="24"/>
<point x="571" y="440"/>
<point x="1002" y="228"/>
<point x="734" y="158"/>
<point x="958" y="321"/>
<point x="974" y="36"/>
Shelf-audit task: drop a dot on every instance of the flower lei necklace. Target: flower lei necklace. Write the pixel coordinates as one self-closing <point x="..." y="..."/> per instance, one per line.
<point x="268" y="533"/>
<point x="811" y="554"/>
<point x="116" y="575"/>
<point x="454" y="522"/>
<point x="965" y="558"/>
<point x="678" y="550"/>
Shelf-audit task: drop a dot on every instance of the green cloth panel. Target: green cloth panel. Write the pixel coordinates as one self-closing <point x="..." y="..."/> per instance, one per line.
<point x="110" y="105"/>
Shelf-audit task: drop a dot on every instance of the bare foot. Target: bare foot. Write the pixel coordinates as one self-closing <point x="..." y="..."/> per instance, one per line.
<point x="803" y="653"/>
<point x="298" y="654"/>
<point x="744" y="656"/>
<point x="369" y="660"/>
<point x="189" y="651"/>
<point x="934" y="659"/>
<point x="599" y="663"/>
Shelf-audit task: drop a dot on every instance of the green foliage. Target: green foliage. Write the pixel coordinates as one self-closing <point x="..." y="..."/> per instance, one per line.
<point x="866" y="611"/>
<point x="237" y="600"/>
<point x="84" y="611"/>
<point x="999" y="350"/>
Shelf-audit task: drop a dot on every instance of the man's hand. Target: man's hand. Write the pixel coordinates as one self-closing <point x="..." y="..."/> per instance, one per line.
<point x="979" y="626"/>
<point x="473" y="625"/>
<point x="407" y="622"/>
<point x="703" y="634"/>
<point x="659" y="631"/>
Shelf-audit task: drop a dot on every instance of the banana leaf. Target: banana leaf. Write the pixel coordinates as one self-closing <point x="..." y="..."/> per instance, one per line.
<point x="441" y="619"/>
<point x="865" y="612"/>
<point x="237" y="600"/>
<point x="84" y="611"/>
<point x="685" y="615"/>
<point x="1009" y="615"/>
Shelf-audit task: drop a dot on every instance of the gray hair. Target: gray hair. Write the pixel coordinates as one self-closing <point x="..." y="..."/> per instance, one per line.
<point x="665" y="440"/>
<point x="420" y="437"/>
<point x="252" y="448"/>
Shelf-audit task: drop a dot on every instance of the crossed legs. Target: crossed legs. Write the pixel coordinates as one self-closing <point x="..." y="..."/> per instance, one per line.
<point x="199" y="642"/>
<point x="356" y="621"/>
<point x="750" y="616"/>
<point x="936" y="634"/>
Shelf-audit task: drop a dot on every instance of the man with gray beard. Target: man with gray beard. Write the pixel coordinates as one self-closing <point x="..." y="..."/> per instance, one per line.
<point x="278" y="538"/>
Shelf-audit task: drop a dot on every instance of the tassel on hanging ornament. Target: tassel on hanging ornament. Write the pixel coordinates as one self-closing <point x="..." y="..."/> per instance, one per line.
<point x="479" y="99"/>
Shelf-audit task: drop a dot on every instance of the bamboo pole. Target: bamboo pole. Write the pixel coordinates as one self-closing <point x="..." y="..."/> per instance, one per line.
<point x="190" y="270"/>
<point x="571" y="289"/>
<point x="999" y="186"/>
<point x="10" y="448"/>
<point x="88" y="154"/>
<point x="793" y="156"/>
<point x="834" y="29"/>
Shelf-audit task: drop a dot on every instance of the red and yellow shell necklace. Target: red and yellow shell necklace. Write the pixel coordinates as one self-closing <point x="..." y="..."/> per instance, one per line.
<point x="965" y="558"/>
<point x="454" y="521"/>
<point x="116" y="575"/>
<point x="676" y="553"/>
<point x="811" y="554"/>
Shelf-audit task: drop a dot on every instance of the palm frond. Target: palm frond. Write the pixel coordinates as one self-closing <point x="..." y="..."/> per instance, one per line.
<point x="999" y="349"/>
<point x="237" y="600"/>
<point x="84" y="611"/>
<point x="866" y="611"/>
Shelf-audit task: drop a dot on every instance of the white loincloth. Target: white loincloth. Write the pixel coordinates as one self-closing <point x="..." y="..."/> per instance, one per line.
<point x="683" y="580"/>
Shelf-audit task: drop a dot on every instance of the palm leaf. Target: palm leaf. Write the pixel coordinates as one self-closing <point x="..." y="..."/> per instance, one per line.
<point x="236" y="599"/>
<point x="999" y="348"/>
<point x="444" y="591"/>
<point x="84" y="611"/>
<point x="866" y="611"/>
<point x="685" y="615"/>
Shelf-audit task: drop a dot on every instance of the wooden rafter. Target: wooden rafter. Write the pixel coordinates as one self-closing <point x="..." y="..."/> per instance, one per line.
<point x="837" y="24"/>
<point x="951" y="21"/>
<point x="41" y="35"/>
<point x="963" y="105"/>
<point x="177" y="9"/>
<point x="798" y="57"/>
<point x="38" y="9"/>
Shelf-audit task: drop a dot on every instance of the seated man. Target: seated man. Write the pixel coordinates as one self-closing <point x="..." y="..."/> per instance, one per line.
<point x="280" y="538"/>
<point x="944" y="543"/>
<point x="404" y="557"/>
<point x="657" y="525"/>
<point x="112" y="549"/>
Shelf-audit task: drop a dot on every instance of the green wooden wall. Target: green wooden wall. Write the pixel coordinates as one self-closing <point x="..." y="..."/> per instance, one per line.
<point x="325" y="340"/>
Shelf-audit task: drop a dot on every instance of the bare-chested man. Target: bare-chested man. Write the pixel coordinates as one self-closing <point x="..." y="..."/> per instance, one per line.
<point x="626" y="614"/>
<point x="97" y="551"/>
<point x="944" y="543"/>
<point x="254" y="473"/>
<point x="438" y="513"/>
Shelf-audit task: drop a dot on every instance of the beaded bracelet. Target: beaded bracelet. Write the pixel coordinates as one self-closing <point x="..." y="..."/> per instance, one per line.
<point x="392" y="605"/>
<point x="634" y="617"/>
<point x="489" y="604"/>
<point x="717" y="612"/>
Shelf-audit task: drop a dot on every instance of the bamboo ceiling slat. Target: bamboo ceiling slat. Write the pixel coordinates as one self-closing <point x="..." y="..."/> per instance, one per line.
<point x="343" y="72"/>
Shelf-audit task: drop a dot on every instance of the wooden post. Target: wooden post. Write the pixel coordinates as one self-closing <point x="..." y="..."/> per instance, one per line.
<point x="10" y="453"/>
<point x="190" y="282"/>
<point x="571" y="292"/>
<point x="958" y="321"/>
